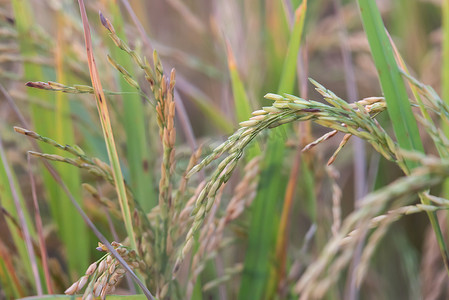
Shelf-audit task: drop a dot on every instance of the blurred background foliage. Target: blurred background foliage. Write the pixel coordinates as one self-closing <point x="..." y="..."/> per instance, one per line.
<point x="223" y="52"/>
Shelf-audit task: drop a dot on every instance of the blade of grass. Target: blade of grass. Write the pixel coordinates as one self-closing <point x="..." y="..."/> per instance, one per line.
<point x="71" y="225"/>
<point x="137" y="139"/>
<point x="107" y="130"/>
<point x="41" y="117"/>
<point x="283" y="231"/>
<point x="241" y="102"/>
<point x="399" y="109"/>
<point x="265" y="218"/>
<point x="242" y="106"/>
<point x="414" y="90"/>
<point x="288" y="76"/>
<point x="393" y="87"/>
<point x="277" y="32"/>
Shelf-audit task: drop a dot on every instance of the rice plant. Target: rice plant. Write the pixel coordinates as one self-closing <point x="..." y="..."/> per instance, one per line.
<point x="133" y="165"/>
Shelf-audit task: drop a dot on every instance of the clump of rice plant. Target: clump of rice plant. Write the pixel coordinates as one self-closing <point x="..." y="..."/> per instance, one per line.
<point x="174" y="247"/>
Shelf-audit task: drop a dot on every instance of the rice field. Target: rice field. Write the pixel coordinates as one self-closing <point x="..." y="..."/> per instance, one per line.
<point x="201" y="149"/>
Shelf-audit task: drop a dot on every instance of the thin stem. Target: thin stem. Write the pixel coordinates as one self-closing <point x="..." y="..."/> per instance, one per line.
<point x="107" y="130"/>
<point x="40" y="233"/>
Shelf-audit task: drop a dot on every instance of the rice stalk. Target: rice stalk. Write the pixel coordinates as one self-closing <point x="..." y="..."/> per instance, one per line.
<point x="107" y="131"/>
<point x="92" y="165"/>
<point x="241" y="102"/>
<point x="399" y="109"/>
<point x="74" y="89"/>
<point x="262" y="238"/>
<point x="356" y="119"/>
<point x="104" y="275"/>
<point x="138" y="156"/>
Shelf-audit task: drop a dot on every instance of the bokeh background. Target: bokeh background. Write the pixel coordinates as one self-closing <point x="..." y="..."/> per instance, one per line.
<point x="205" y="41"/>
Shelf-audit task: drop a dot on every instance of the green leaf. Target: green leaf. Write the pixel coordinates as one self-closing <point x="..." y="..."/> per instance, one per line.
<point x="271" y="189"/>
<point x="399" y="109"/>
<point x="241" y="102"/>
<point x="43" y="122"/>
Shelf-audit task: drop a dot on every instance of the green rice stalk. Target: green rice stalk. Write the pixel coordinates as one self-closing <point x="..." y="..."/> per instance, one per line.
<point x="57" y="178"/>
<point x="105" y="274"/>
<point x="165" y="110"/>
<point x="71" y="224"/>
<point x="42" y="118"/>
<point x="137" y="152"/>
<point x="107" y="132"/>
<point x="93" y="165"/>
<point x="402" y="65"/>
<point x="258" y="275"/>
<point x="300" y="167"/>
<point x="288" y="76"/>
<point x="286" y="110"/>
<point x="241" y="101"/>
<point x="277" y="35"/>
<point x="393" y="87"/>
<point x="399" y="110"/>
